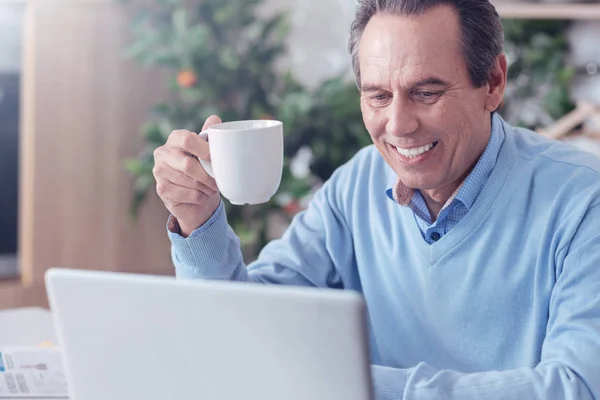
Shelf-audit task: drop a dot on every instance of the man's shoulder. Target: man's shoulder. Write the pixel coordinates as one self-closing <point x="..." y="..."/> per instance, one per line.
<point x="544" y="153"/>
<point x="555" y="170"/>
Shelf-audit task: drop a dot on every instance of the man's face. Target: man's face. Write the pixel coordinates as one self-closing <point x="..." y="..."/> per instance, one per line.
<point x="424" y="115"/>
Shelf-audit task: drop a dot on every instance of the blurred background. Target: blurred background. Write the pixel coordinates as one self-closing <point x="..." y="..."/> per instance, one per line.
<point x="89" y="88"/>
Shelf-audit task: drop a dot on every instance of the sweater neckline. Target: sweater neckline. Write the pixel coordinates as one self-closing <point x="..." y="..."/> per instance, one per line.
<point x="481" y="207"/>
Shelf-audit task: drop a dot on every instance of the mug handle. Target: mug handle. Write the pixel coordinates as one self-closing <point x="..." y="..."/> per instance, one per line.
<point x="207" y="165"/>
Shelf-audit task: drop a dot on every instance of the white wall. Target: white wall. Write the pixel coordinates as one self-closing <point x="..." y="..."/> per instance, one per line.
<point x="11" y="19"/>
<point x="317" y="42"/>
<point x="319" y="36"/>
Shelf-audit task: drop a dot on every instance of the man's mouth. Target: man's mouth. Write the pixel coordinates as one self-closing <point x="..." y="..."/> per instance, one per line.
<point x="416" y="151"/>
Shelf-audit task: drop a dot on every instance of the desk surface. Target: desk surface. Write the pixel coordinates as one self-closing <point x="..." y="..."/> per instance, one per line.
<point x="26" y="327"/>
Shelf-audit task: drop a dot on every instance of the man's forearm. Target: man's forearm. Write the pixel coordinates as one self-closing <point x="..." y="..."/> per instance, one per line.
<point x="551" y="381"/>
<point x="210" y="252"/>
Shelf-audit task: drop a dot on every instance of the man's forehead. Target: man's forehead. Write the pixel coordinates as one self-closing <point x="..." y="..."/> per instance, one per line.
<point x="393" y="42"/>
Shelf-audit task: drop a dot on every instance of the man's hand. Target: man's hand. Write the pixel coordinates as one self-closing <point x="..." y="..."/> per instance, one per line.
<point x="188" y="192"/>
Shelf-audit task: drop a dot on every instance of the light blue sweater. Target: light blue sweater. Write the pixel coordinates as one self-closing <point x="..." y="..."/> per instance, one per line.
<point x="506" y="305"/>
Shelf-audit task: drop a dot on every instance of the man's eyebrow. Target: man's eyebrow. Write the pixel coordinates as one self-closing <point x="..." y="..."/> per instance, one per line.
<point x="371" y="88"/>
<point x="430" y="81"/>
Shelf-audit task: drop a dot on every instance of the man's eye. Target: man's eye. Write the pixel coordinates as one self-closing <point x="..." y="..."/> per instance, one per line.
<point x="428" y="96"/>
<point x="380" y="97"/>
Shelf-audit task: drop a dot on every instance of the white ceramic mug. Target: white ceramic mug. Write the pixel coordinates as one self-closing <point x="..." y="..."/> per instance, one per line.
<point x="246" y="159"/>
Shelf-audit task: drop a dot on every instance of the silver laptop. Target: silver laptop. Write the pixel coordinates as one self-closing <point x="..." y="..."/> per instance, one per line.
<point x="130" y="337"/>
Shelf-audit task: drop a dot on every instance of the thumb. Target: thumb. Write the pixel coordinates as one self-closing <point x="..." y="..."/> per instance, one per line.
<point x="212" y="120"/>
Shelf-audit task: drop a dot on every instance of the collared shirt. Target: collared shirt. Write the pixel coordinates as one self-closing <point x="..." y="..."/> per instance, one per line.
<point x="461" y="201"/>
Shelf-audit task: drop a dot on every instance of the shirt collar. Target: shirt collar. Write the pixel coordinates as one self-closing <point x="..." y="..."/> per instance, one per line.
<point x="476" y="180"/>
<point x="470" y="188"/>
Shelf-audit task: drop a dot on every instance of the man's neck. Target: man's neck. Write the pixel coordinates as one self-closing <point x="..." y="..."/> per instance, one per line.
<point x="436" y="199"/>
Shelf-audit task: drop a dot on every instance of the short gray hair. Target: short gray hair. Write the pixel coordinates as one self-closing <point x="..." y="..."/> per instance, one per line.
<point x="482" y="35"/>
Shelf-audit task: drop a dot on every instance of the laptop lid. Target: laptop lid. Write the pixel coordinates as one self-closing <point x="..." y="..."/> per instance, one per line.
<point x="126" y="336"/>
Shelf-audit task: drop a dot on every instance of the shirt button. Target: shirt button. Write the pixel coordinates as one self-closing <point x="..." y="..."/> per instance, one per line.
<point x="435" y="236"/>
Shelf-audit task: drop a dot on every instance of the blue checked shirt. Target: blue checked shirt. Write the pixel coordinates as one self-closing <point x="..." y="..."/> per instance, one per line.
<point x="459" y="205"/>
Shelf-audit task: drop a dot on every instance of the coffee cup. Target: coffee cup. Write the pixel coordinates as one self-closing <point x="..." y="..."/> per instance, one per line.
<point x="246" y="159"/>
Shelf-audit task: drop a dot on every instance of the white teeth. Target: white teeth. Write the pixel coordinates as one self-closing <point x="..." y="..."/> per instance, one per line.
<point x="411" y="153"/>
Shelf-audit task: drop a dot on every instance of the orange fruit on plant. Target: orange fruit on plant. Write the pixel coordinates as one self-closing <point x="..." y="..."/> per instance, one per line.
<point x="186" y="78"/>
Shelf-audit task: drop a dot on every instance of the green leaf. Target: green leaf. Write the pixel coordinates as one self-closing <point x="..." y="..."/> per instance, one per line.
<point x="166" y="125"/>
<point x="246" y="236"/>
<point x="565" y="75"/>
<point x="154" y="135"/>
<point x="192" y="95"/>
<point x="140" y="20"/>
<point x="133" y="166"/>
<point x="139" y="195"/>
<point x="137" y="49"/>
<point x="229" y="59"/>
<point x="180" y="22"/>
<point x="224" y="14"/>
<point x="144" y="181"/>
<point x="161" y="57"/>
<point x="198" y="37"/>
<point x="276" y="26"/>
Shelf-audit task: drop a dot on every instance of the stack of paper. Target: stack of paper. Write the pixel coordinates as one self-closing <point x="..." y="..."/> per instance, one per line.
<point x="31" y="372"/>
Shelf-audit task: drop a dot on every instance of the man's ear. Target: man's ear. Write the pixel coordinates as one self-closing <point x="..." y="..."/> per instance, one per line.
<point x="496" y="84"/>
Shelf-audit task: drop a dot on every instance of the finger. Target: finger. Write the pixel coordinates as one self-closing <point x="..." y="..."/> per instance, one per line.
<point x="210" y="121"/>
<point x="188" y="165"/>
<point x="166" y="172"/>
<point x="175" y="195"/>
<point x="190" y="143"/>
<point x="208" y="191"/>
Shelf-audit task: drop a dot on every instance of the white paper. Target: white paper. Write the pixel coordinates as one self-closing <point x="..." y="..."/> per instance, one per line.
<point x="31" y="372"/>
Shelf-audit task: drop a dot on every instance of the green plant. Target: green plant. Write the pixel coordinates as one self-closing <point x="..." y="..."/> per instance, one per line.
<point x="539" y="74"/>
<point x="328" y="120"/>
<point x="222" y="58"/>
<point x="219" y="58"/>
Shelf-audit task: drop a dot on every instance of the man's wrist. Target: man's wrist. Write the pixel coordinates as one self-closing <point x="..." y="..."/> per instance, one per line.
<point x="185" y="230"/>
<point x="173" y="225"/>
<point x="180" y="228"/>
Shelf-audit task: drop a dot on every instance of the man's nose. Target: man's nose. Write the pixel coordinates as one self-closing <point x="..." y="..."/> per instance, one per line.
<point x="402" y="118"/>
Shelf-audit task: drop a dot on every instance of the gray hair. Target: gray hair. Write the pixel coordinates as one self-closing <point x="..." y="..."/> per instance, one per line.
<point x="482" y="35"/>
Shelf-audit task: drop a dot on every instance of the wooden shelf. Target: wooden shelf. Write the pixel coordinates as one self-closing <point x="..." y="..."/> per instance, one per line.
<point x="518" y="10"/>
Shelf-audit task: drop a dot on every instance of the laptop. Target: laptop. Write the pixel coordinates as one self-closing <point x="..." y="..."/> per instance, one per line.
<point x="129" y="337"/>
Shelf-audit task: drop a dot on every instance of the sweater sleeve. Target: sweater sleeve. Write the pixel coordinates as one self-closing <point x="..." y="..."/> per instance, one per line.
<point x="314" y="246"/>
<point x="570" y="360"/>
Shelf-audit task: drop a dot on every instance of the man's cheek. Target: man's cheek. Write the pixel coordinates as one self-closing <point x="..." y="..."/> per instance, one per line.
<point x="374" y="122"/>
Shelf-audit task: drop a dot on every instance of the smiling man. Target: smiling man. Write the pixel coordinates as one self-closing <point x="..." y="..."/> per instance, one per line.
<point x="475" y="243"/>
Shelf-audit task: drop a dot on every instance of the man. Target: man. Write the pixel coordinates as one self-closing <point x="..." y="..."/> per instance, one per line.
<point x="481" y="265"/>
